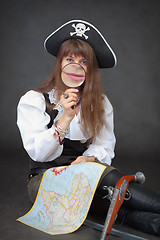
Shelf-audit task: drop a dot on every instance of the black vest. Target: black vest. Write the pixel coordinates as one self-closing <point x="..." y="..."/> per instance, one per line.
<point x="71" y="149"/>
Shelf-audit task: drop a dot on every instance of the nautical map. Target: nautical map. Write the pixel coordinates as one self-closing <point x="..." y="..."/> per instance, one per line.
<point x="64" y="198"/>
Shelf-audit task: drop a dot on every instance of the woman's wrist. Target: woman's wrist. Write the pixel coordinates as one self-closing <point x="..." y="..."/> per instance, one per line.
<point x="60" y="133"/>
<point x="64" y="121"/>
<point x="61" y="128"/>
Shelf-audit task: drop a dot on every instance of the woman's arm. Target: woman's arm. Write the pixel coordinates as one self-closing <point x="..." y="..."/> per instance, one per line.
<point x="32" y="121"/>
<point x="41" y="143"/>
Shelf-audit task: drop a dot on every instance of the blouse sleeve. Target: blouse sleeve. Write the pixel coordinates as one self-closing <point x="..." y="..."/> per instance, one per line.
<point x="32" y="121"/>
<point x="104" y="144"/>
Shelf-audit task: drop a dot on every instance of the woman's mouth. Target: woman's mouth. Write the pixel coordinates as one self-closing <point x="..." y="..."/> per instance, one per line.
<point x="76" y="77"/>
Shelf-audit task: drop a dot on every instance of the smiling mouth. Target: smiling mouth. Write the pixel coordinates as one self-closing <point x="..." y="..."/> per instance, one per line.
<point x="76" y="77"/>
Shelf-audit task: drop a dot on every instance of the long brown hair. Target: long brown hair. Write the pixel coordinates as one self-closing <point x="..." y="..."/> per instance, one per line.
<point x="92" y="108"/>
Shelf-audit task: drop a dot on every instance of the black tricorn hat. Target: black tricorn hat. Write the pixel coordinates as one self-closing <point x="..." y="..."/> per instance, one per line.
<point x="87" y="32"/>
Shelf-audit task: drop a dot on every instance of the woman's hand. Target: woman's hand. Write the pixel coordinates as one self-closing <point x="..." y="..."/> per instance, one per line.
<point x="82" y="159"/>
<point x="68" y="99"/>
<point x="68" y="102"/>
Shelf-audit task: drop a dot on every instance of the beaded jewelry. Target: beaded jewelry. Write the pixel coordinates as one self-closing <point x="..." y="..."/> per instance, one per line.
<point x="60" y="132"/>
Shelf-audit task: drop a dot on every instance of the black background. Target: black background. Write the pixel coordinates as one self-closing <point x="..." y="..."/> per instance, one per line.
<point x="132" y="28"/>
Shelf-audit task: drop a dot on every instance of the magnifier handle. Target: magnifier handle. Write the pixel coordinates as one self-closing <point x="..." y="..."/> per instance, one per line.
<point x="73" y="107"/>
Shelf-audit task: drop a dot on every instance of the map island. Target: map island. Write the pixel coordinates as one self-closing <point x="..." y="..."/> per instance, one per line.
<point x="64" y="198"/>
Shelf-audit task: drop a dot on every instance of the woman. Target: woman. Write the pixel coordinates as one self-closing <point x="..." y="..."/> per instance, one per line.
<point x="55" y="133"/>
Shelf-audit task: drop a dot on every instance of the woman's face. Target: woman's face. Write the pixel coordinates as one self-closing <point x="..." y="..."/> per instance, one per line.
<point x="73" y="70"/>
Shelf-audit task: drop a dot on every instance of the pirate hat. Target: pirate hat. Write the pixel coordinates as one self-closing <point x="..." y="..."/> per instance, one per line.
<point x="87" y="32"/>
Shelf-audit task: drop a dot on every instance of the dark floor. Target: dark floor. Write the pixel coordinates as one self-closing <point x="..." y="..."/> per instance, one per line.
<point x="15" y="202"/>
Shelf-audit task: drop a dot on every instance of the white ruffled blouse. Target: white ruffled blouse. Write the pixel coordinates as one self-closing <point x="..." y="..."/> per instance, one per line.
<point x="39" y="141"/>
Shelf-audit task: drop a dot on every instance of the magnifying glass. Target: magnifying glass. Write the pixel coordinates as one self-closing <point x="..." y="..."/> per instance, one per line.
<point x="73" y="75"/>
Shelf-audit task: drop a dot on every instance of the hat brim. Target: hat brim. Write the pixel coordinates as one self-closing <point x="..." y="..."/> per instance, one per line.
<point x="105" y="55"/>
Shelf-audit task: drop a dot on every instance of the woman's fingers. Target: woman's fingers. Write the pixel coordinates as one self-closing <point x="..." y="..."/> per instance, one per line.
<point x="72" y="90"/>
<point x="81" y="159"/>
<point x="69" y="98"/>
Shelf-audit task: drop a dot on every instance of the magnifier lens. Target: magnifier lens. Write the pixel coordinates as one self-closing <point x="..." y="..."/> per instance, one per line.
<point x="73" y="75"/>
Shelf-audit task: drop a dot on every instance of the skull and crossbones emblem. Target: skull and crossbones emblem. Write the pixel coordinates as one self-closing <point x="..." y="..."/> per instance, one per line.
<point x="80" y="30"/>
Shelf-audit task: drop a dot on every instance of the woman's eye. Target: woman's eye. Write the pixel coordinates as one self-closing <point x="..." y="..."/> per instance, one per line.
<point x="69" y="59"/>
<point x="84" y="62"/>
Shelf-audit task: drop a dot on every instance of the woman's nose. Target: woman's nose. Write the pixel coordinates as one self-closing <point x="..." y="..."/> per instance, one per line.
<point x="77" y="65"/>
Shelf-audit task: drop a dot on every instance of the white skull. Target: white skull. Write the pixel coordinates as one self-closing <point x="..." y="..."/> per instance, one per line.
<point x="80" y="29"/>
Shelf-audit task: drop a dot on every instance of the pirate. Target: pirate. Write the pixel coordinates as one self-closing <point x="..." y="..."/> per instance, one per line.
<point x="62" y="125"/>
